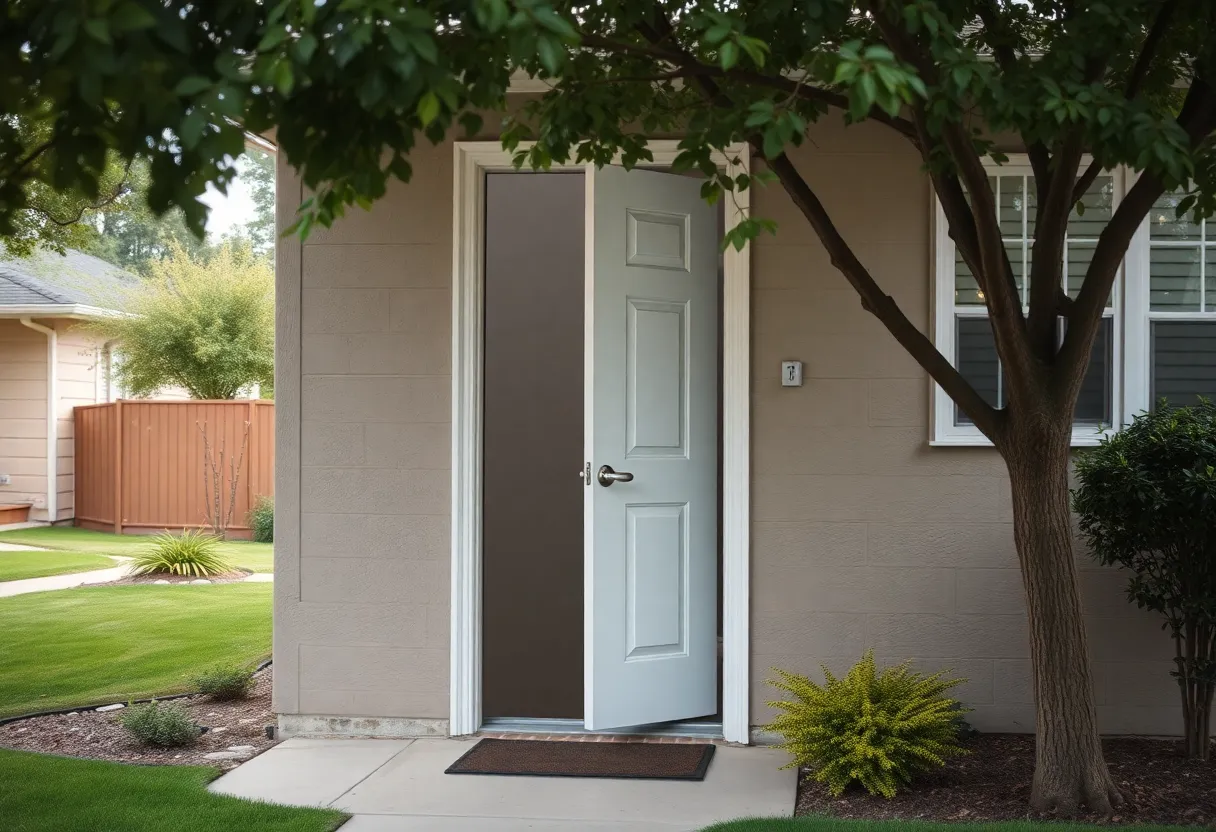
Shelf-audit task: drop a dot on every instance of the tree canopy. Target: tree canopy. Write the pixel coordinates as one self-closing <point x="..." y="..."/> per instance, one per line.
<point x="349" y="88"/>
<point x="205" y="326"/>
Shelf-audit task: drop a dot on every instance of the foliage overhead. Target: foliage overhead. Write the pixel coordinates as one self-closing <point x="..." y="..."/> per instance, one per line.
<point x="1146" y="501"/>
<point x="205" y="326"/>
<point x="878" y="730"/>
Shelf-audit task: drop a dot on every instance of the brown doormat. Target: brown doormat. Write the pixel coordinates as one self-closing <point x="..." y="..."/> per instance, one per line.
<point x="627" y="760"/>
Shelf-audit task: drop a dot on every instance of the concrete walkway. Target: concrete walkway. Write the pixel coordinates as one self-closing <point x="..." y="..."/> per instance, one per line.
<point x="75" y="579"/>
<point x="399" y="785"/>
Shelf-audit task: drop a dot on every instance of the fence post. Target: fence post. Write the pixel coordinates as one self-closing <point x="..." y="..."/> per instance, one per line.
<point x="250" y="455"/>
<point x="118" y="466"/>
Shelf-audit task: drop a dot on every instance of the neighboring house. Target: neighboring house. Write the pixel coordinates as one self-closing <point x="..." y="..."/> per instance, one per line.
<point x="439" y="567"/>
<point x="48" y="365"/>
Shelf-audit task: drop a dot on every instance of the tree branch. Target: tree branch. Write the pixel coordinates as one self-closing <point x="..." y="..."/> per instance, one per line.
<point x="1047" y="255"/>
<point x="996" y="33"/>
<point x="1198" y="119"/>
<point x="882" y="305"/>
<point x="873" y="299"/>
<point x="1138" y="74"/>
<point x="995" y="272"/>
<point x="689" y="67"/>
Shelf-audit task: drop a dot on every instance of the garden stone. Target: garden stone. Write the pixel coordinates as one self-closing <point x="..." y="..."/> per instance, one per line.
<point x="201" y="581"/>
<point x="104" y="708"/>
<point x="219" y="730"/>
<point x="161" y="581"/>
<point x="242" y="749"/>
<point x="223" y="755"/>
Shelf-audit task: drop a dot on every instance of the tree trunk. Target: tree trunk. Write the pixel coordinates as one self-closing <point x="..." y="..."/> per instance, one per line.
<point x="1069" y="767"/>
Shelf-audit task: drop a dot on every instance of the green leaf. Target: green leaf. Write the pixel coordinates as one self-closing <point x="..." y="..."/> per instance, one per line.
<point x="424" y="45"/>
<point x="717" y="33"/>
<point x="98" y="30"/>
<point x="130" y="17"/>
<point x="192" y="85"/>
<point x="305" y="47"/>
<point x="428" y="108"/>
<point x="272" y="38"/>
<point x="729" y="54"/>
<point x="284" y="77"/>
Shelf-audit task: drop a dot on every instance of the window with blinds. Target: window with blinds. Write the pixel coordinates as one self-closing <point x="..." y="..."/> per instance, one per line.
<point x="1181" y="305"/>
<point x="974" y="347"/>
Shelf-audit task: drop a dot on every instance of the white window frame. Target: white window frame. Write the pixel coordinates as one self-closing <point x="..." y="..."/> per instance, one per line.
<point x="944" y="431"/>
<point x="1140" y="316"/>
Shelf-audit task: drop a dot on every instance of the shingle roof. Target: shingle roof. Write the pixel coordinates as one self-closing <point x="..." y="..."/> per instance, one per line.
<point x="50" y="279"/>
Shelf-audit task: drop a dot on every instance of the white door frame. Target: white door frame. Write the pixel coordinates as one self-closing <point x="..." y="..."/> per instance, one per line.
<point x="473" y="160"/>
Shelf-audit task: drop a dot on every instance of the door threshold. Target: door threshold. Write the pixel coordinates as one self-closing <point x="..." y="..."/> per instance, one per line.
<point x="520" y="725"/>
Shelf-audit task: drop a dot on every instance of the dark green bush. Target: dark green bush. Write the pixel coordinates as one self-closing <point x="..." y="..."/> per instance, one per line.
<point x="162" y="724"/>
<point x="261" y="520"/>
<point x="875" y="729"/>
<point x="226" y="682"/>
<point x="1146" y="501"/>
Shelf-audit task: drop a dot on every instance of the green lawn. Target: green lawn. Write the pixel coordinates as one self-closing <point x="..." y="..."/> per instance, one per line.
<point x="16" y="566"/>
<point x="257" y="557"/>
<point x="97" y="645"/>
<point x="825" y="824"/>
<point x="40" y="793"/>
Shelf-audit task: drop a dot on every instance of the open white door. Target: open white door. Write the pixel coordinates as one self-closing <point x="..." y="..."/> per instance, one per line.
<point x="651" y="412"/>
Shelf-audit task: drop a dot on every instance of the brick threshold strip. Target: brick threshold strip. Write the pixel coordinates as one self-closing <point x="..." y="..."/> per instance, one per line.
<point x="636" y="738"/>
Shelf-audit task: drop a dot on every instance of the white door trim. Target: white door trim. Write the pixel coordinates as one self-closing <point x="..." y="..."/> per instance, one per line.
<point x="472" y="161"/>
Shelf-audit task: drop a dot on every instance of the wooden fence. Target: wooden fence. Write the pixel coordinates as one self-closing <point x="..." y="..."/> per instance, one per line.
<point x="140" y="465"/>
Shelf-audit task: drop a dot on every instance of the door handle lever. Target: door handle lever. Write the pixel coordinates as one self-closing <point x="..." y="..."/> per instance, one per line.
<point x="607" y="476"/>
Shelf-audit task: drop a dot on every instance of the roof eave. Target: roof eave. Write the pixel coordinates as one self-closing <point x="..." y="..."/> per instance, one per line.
<point x="57" y="310"/>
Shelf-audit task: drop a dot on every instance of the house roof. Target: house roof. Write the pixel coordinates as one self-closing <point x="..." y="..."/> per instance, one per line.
<point x="74" y="283"/>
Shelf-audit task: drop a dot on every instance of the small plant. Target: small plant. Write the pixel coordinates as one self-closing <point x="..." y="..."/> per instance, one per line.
<point x="1146" y="502"/>
<point x="160" y="724"/>
<point x="875" y="729"/>
<point x="261" y="520"/>
<point x="190" y="553"/>
<point x="223" y="683"/>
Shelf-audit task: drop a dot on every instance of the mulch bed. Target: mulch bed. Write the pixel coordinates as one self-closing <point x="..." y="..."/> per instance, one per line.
<point x="992" y="783"/>
<point x="99" y="736"/>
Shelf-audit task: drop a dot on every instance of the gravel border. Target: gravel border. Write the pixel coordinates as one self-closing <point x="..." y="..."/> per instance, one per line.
<point x="236" y="731"/>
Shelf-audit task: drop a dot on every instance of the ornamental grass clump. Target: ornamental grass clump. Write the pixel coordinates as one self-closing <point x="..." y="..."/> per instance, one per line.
<point x="192" y="553"/>
<point x="878" y="730"/>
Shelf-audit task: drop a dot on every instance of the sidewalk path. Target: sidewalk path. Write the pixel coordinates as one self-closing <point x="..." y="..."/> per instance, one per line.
<point x="75" y="579"/>
<point x="97" y="576"/>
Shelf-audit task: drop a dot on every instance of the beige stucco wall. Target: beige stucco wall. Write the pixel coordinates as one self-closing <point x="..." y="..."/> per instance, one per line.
<point x="862" y="534"/>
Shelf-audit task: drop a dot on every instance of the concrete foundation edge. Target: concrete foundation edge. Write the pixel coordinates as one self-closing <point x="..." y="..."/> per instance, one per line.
<point x="397" y="727"/>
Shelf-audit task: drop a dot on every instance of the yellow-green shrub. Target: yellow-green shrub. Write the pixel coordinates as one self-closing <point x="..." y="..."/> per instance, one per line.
<point x="875" y="729"/>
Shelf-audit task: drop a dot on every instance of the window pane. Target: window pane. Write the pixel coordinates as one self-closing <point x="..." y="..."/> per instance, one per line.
<point x="1096" y="396"/>
<point x="966" y="288"/>
<point x="1078" y="257"/>
<point x="1164" y="223"/>
<point x="1012" y="200"/>
<point x="1184" y="361"/>
<point x="1032" y="205"/>
<point x="1209" y="280"/>
<point x="1174" y="278"/>
<point x="979" y="365"/>
<point x="977" y="362"/>
<point x="1097" y="202"/>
